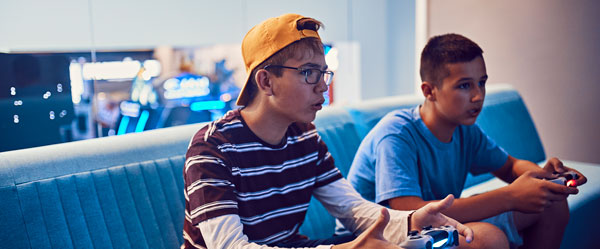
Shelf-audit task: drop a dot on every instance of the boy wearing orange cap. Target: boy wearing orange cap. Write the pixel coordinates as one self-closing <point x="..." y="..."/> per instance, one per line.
<point x="249" y="176"/>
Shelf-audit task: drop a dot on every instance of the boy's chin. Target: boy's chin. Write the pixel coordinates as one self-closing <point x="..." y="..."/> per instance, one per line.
<point x="470" y="121"/>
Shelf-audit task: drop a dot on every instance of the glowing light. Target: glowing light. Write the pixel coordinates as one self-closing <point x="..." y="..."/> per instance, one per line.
<point x="226" y="97"/>
<point x="207" y="105"/>
<point x="186" y="88"/>
<point x="18" y="102"/>
<point x="123" y="125"/>
<point x="111" y="70"/>
<point x="152" y="67"/>
<point x="76" y="82"/>
<point x="331" y="58"/>
<point x="440" y="243"/>
<point x="571" y="183"/>
<point x="52" y="115"/>
<point x="47" y="95"/>
<point x="13" y="91"/>
<point x="62" y="113"/>
<point x="142" y="122"/>
<point x="130" y="109"/>
<point x="59" y="88"/>
<point x="16" y="119"/>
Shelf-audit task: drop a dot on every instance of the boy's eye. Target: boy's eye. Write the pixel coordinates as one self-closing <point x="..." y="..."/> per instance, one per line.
<point x="464" y="86"/>
<point x="307" y="72"/>
<point x="482" y="83"/>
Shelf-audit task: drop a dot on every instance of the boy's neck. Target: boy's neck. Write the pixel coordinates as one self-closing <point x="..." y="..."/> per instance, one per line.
<point x="264" y="125"/>
<point x="438" y="126"/>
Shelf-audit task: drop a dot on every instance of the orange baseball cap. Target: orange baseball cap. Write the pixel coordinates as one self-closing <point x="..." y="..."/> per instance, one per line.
<point x="265" y="39"/>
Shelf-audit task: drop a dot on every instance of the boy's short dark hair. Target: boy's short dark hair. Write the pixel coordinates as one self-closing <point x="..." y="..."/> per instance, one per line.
<point x="445" y="49"/>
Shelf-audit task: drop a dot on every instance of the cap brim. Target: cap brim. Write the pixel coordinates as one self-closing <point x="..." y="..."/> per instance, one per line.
<point x="243" y="97"/>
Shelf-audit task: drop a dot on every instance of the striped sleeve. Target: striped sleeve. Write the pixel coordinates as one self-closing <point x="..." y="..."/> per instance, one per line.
<point x="326" y="170"/>
<point x="209" y="188"/>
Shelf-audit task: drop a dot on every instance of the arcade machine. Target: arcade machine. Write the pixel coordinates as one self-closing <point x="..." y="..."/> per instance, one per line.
<point x="190" y="98"/>
<point x="35" y="100"/>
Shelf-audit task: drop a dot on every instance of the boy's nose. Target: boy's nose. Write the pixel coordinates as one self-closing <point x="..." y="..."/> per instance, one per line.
<point x="478" y="94"/>
<point x="321" y="86"/>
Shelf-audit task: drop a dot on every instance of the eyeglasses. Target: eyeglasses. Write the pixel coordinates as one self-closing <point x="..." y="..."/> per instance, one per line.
<point x="311" y="75"/>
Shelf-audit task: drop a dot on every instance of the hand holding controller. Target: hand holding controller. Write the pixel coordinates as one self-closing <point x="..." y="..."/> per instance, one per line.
<point x="568" y="179"/>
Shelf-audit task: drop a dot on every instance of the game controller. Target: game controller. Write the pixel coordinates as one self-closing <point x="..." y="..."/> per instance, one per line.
<point x="429" y="237"/>
<point x="417" y="241"/>
<point x="444" y="236"/>
<point x="568" y="179"/>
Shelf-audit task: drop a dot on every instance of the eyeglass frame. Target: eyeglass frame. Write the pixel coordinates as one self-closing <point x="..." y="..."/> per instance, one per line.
<point x="305" y="72"/>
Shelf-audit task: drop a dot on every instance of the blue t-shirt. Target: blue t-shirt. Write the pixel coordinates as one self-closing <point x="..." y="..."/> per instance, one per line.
<point x="401" y="157"/>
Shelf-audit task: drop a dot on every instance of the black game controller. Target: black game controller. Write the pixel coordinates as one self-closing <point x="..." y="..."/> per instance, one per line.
<point x="568" y="178"/>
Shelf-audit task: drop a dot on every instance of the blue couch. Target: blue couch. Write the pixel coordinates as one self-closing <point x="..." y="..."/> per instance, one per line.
<point x="127" y="191"/>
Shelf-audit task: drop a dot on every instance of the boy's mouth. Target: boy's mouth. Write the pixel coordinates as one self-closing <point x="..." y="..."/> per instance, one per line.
<point x="475" y="112"/>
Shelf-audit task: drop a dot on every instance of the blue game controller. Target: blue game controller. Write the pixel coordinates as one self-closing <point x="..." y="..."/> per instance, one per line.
<point x="443" y="237"/>
<point x="417" y="241"/>
<point x="430" y="237"/>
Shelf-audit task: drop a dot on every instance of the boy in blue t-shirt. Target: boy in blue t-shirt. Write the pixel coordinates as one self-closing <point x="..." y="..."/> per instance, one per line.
<point x="415" y="156"/>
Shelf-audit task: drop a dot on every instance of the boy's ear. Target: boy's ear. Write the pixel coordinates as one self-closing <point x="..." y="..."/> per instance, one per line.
<point x="263" y="82"/>
<point x="428" y="90"/>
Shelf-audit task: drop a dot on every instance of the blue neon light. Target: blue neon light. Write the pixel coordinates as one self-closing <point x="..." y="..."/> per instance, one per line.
<point x="123" y="125"/>
<point x="142" y="122"/>
<point x="207" y="105"/>
<point x="440" y="243"/>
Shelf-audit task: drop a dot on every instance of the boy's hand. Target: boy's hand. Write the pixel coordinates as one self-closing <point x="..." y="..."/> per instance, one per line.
<point x="372" y="237"/>
<point x="555" y="165"/>
<point x="430" y="215"/>
<point x="530" y="194"/>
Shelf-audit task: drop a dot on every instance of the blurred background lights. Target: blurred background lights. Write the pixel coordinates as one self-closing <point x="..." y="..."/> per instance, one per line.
<point x="16" y="119"/>
<point x="18" y="102"/>
<point x="76" y="82"/>
<point x="13" y="91"/>
<point x="47" y="95"/>
<point x="63" y="113"/>
<point x="59" y="88"/>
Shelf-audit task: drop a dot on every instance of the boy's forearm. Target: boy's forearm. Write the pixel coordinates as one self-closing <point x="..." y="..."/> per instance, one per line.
<point x="480" y="206"/>
<point x="514" y="168"/>
<point x="467" y="209"/>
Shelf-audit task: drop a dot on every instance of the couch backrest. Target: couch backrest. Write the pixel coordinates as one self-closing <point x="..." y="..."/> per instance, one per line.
<point x="115" y="192"/>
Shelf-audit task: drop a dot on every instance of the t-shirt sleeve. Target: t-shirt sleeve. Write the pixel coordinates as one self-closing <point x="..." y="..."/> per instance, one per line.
<point x="209" y="189"/>
<point x="396" y="169"/>
<point x="487" y="155"/>
<point x="326" y="170"/>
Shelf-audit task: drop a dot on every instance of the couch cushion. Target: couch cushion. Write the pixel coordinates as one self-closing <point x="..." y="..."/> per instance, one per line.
<point x="138" y="205"/>
<point x="121" y="192"/>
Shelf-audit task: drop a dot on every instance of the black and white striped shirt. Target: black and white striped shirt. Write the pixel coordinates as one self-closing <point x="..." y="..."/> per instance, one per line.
<point x="229" y="170"/>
